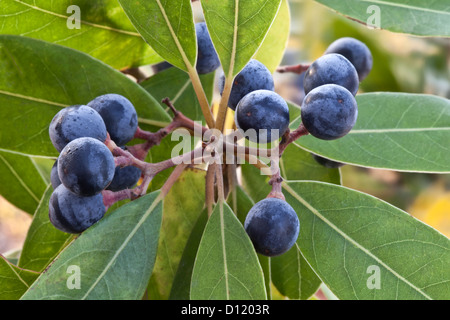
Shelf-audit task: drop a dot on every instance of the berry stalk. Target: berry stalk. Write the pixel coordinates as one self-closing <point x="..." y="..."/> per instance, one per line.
<point x="297" y="68"/>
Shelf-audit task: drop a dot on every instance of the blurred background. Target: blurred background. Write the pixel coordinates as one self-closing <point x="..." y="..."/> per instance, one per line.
<point x="401" y="63"/>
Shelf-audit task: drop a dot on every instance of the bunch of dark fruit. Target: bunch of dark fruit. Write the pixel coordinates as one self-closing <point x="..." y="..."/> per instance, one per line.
<point x="85" y="166"/>
<point x="329" y="111"/>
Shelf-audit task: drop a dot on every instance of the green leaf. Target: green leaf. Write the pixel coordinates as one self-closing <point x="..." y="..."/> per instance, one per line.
<point x="114" y="257"/>
<point x="292" y="275"/>
<point x="406" y="16"/>
<point x="168" y="27"/>
<point x="240" y="202"/>
<point x="14" y="281"/>
<point x="182" y="282"/>
<point x="177" y="85"/>
<point x="182" y="207"/>
<point x="22" y="183"/>
<point x="238" y="28"/>
<point x="298" y="164"/>
<point x="272" y="49"/>
<point x="38" y="78"/>
<point x="43" y="241"/>
<point x="294" y="115"/>
<point x="397" y="131"/>
<point x="101" y="30"/>
<point x="226" y="267"/>
<point x="364" y="248"/>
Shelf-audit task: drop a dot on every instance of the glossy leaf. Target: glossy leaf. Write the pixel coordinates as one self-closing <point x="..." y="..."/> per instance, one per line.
<point x="177" y="85"/>
<point x="14" y="281"/>
<point x="99" y="28"/>
<point x="22" y="182"/>
<point x="294" y="115"/>
<point x="240" y="202"/>
<point x="38" y="78"/>
<point x="238" y="28"/>
<point x="226" y="267"/>
<point x="168" y="27"/>
<point x="43" y="241"/>
<point x="182" y="281"/>
<point x="114" y="258"/>
<point x="298" y="164"/>
<point x="397" y="131"/>
<point x="406" y="16"/>
<point x="272" y="49"/>
<point x="182" y="207"/>
<point x="364" y="248"/>
<point x="292" y="275"/>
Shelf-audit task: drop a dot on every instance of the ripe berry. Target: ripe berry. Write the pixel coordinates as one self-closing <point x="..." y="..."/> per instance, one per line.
<point x="86" y="166"/>
<point x="124" y="178"/>
<point x="329" y="112"/>
<point x="119" y="115"/>
<point x="71" y="213"/>
<point x="331" y="68"/>
<point x="75" y="122"/>
<point x="260" y="112"/>
<point x="356" y="52"/>
<point x="272" y="226"/>
<point x="207" y="58"/>
<point x="254" y="76"/>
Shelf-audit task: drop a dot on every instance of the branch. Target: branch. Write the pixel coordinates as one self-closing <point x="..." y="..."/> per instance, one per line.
<point x="201" y="96"/>
<point x="149" y="170"/>
<point x="276" y="180"/>
<point x="298" y="68"/>
<point x="179" y="120"/>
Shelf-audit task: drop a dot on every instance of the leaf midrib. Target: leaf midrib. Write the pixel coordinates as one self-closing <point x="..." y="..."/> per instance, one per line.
<point x="174" y="36"/>
<point x="15" y="174"/>
<point x="351" y="240"/>
<point x="396" y="130"/>
<point x="95" y="25"/>
<point x="124" y="244"/>
<point x="405" y="6"/>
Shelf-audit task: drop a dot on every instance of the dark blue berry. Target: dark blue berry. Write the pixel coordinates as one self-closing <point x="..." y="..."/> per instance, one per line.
<point x="54" y="177"/>
<point x="86" y="166"/>
<point x="71" y="213"/>
<point x="119" y="115"/>
<point x="356" y="52"/>
<point x="331" y="68"/>
<point x="207" y="58"/>
<point x="124" y="178"/>
<point x="75" y="122"/>
<point x="329" y="112"/>
<point x="272" y="226"/>
<point x="260" y="112"/>
<point x="254" y="76"/>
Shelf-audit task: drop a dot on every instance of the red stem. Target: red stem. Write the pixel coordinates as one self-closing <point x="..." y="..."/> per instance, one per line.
<point x="297" y="68"/>
<point x="276" y="180"/>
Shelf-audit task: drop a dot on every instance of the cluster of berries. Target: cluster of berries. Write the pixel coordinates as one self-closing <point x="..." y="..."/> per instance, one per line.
<point x="85" y="165"/>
